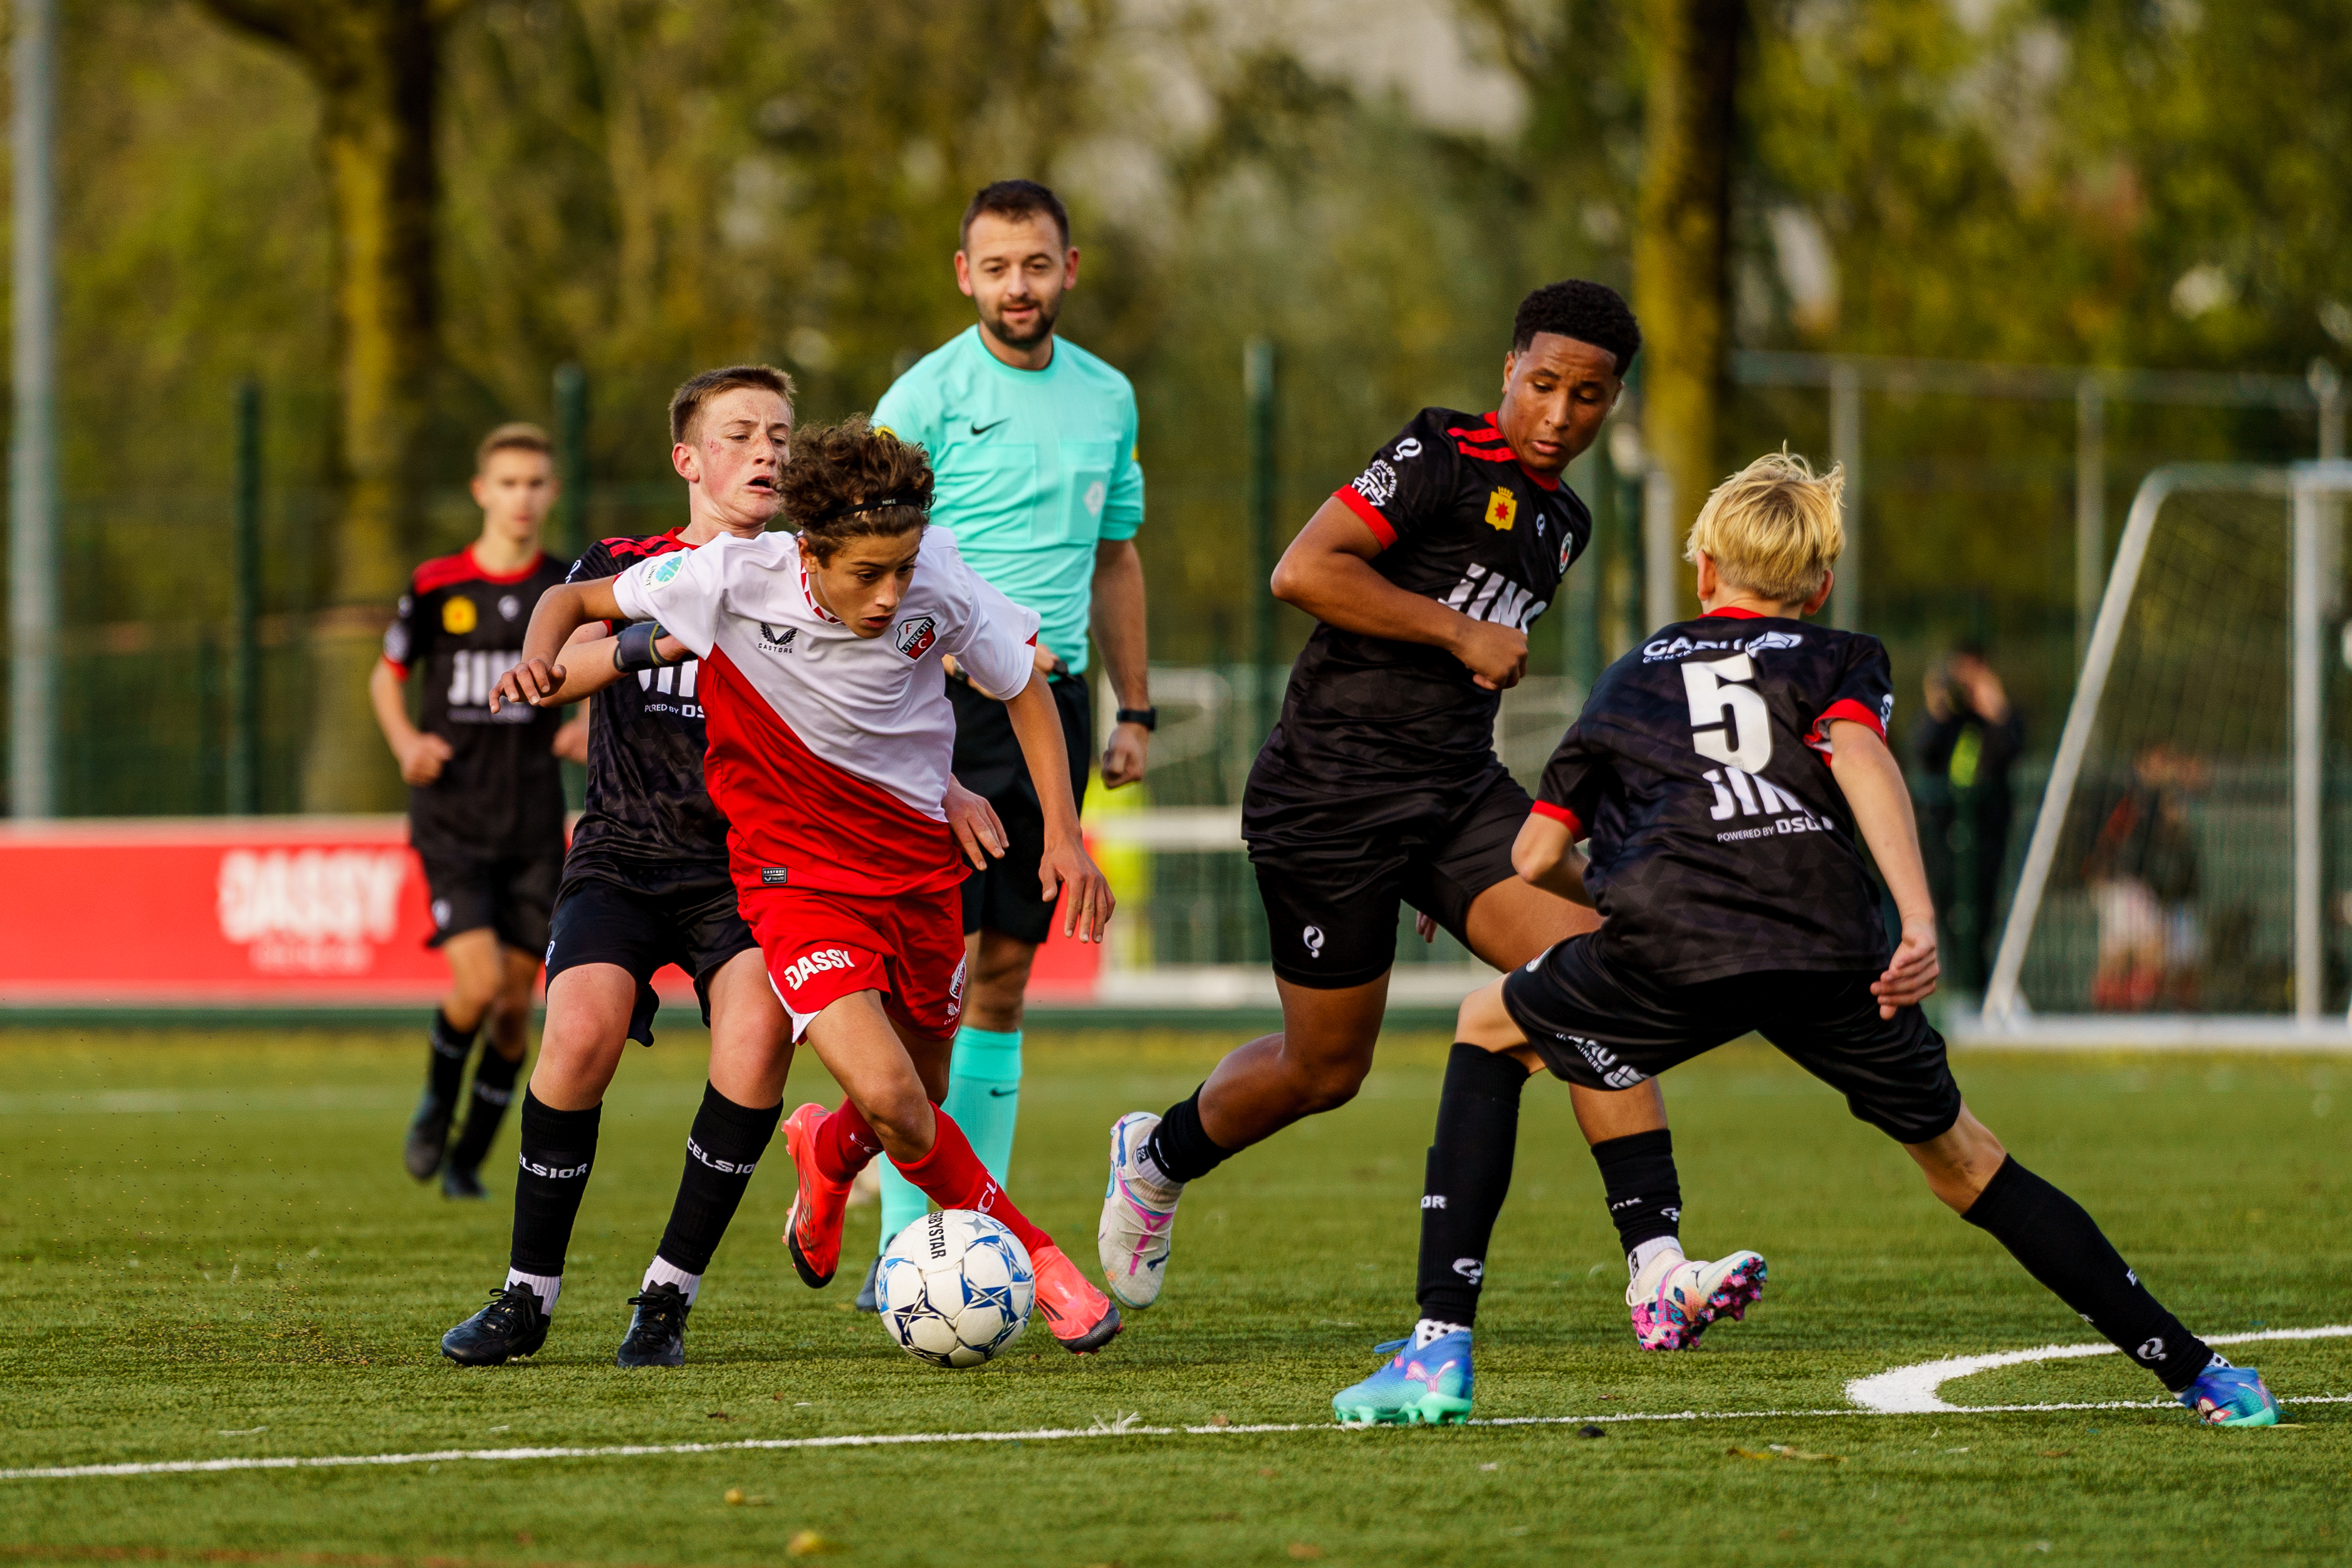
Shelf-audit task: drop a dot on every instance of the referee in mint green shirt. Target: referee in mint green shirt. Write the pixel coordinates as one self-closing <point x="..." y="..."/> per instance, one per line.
<point x="1033" y="442"/>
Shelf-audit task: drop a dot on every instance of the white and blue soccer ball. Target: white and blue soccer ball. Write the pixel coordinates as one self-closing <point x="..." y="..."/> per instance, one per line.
<point x="956" y="1287"/>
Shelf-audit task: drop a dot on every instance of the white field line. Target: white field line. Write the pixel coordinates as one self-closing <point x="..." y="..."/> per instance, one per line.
<point x="1916" y="1389"/>
<point x="1126" y="1427"/>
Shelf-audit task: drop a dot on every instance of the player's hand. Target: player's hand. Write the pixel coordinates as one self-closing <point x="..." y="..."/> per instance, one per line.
<point x="669" y="650"/>
<point x="1495" y="656"/>
<point x="531" y="682"/>
<point x="975" y="824"/>
<point x="1047" y="661"/>
<point x="1086" y="903"/>
<point x="421" y="759"/>
<point x="1425" y="927"/>
<point x="1124" y="759"/>
<point x="572" y="739"/>
<point x="1911" y="978"/>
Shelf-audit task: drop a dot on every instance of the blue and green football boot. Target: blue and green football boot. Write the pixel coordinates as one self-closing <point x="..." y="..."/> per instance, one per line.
<point x="1424" y="1387"/>
<point x="2226" y="1396"/>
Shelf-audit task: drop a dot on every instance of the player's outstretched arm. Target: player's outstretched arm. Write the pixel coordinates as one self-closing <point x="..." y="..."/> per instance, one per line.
<point x="1087" y="903"/>
<point x="1545" y="854"/>
<point x="539" y="679"/>
<point x="1327" y="572"/>
<point x="1873" y="782"/>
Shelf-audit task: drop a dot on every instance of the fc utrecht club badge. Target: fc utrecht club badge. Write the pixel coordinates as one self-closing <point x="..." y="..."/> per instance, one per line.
<point x="914" y="639"/>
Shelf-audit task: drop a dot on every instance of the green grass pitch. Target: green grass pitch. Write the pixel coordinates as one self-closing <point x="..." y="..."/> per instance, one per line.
<point x="208" y="1250"/>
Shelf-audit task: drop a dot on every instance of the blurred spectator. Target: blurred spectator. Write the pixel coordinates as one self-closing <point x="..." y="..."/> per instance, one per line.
<point x="1970" y="741"/>
<point x="2142" y="875"/>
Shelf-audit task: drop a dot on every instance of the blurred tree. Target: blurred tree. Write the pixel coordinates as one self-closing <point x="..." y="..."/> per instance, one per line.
<point x="375" y="64"/>
<point x="1681" y="248"/>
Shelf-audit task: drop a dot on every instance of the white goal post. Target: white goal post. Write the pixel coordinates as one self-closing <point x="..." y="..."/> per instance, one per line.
<point x="2311" y="494"/>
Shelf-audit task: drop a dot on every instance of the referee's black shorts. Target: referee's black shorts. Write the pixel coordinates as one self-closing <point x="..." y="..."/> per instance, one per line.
<point x="988" y="762"/>
<point x="692" y="924"/>
<point x="1334" y="864"/>
<point x="1600" y="1021"/>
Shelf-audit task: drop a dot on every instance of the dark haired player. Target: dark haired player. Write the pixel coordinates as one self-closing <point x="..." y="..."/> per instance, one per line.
<point x="486" y="800"/>
<point x="1032" y="441"/>
<point x="647" y="885"/>
<point x="831" y="740"/>
<point x="1379" y="784"/>
<point x="1723" y="772"/>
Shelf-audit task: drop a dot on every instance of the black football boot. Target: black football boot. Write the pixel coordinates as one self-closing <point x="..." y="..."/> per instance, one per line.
<point x="429" y="1136"/>
<point x="657" y="1335"/>
<point x="465" y="1185"/>
<point x="510" y="1326"/>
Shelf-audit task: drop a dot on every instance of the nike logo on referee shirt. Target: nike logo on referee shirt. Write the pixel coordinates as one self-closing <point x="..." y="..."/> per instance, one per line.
<point x="984" y="429"/>
<point x="1001" y="1093"/>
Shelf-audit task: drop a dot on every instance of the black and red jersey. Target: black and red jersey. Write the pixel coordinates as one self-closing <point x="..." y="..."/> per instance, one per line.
<point x="1699" y="769"/>
<point x="460" y="628"/>
<point x="647" y="823"/>
<point x="1460" y="521"/>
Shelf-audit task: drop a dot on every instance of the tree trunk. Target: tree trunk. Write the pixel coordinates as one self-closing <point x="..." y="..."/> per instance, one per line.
<point x="1682" y="252"/>
<point x="375" y="62"/>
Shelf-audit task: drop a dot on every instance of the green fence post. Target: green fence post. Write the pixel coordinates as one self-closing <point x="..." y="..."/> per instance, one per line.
<point x="243" y="792"/>
<point x="572" y="456"/>
<point x="1257" y="386"/>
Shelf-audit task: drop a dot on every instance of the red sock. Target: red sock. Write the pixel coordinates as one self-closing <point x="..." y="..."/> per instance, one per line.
<point x="844" y="1146"/>
<point x="951" y="1176"/>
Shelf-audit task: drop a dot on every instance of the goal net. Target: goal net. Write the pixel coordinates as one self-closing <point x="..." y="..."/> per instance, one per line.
<point x="2176" y="863"/>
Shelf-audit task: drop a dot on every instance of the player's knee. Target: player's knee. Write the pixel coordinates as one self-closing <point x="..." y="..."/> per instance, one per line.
<point x="901" y="1116"/>
<point x="1327" y="1086"/>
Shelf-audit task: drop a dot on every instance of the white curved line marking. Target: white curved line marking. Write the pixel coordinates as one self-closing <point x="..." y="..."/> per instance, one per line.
<point x="1049" y="1435"/>
<point x="1916" y="1389"/>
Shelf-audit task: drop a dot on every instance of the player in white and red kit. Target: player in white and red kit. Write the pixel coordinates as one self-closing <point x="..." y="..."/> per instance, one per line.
<point x="830" y="741"/>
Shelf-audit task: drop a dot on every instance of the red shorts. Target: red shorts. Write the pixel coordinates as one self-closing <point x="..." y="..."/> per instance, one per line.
<point x="821" y="947"/>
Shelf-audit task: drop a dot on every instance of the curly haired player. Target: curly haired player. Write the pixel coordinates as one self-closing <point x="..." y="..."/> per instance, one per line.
<point x="829" y="740"/>
<point x="1724" y="772"/>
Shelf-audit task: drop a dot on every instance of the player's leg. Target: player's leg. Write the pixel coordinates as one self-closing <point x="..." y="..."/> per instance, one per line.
<point x="1895" y="1076"/>
<point x="465" y="930"/>
<point x="751" y="1052"/>
<point x="1472" y="890"/>
<point x="507" y="1042"/>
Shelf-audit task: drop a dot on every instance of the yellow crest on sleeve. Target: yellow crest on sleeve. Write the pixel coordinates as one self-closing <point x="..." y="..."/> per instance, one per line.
<point x="459" y="615"/>
<point x="1502" y="509"/>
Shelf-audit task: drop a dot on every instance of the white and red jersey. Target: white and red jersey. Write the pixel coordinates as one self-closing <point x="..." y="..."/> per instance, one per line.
<point x="829" y="752"/>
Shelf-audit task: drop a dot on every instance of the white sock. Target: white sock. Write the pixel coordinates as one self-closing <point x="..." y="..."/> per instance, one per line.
<point x="546" y="1287"/>
<point x="1429" y="1331"/>
<point x="1144" y="1172"/>
<point x="1637" y="1262"/>
<point x="662" y="1271"/>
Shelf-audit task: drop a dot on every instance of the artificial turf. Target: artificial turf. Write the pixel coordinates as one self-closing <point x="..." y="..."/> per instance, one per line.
<point x="210" y="1251"/>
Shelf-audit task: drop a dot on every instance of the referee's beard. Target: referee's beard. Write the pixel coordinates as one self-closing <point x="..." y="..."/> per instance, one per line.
<point x="1048" y="312"/>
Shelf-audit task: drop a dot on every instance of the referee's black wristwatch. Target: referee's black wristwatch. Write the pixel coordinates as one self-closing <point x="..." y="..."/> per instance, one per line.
<point x="1146" y="717"/>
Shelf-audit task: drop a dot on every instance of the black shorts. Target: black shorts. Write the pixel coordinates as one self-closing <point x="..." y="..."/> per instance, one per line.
<point x="512" y="895"/>
<point x="696" y="927"/>
<point x="988" y="762"/>
<point x="1332" y="868"/>
<point x="1598" y="1022"/>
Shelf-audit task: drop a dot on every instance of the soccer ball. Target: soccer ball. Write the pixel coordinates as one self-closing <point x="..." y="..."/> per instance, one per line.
<point x="956" y="1287"/>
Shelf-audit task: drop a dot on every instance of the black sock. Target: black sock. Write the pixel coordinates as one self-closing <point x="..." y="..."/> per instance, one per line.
<point x="1645" y="1197"/>
<point x="2063" y="1247"/>
<point x="557" y="1148"/>
<point x="721" y="1152"/>
<point x="1180" y="1146"/>
<point x="493" y="1078"/>
<point x="1469" y="1174"/>
<point x="451" y="1047"/>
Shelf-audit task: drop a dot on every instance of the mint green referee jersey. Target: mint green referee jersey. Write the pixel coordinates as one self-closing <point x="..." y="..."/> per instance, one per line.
<point x="1035" y="467"/>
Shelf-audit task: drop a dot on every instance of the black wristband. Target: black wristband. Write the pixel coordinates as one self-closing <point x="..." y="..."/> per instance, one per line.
<point x="633" y="648"/>
<point x="1146" y="717"/>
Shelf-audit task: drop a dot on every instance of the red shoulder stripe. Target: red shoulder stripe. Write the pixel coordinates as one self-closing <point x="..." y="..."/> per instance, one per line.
<point x="444" y="570"/>
<point x="1353" y="500"/>
<point x="1480" y="433"/>
<point x="1488" y="454"/>
<point x="659" y="544"/>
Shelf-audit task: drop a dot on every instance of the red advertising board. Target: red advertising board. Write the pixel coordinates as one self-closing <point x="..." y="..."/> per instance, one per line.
<point x="235" y="912"/>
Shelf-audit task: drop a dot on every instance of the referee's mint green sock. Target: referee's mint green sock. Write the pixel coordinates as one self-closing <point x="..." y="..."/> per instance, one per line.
<point x="984" y="1098"/>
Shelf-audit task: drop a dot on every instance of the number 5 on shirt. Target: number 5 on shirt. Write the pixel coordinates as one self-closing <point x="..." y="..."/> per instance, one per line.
<point x="1730" y="722"/>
